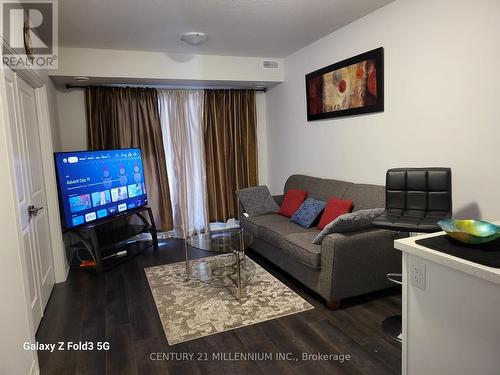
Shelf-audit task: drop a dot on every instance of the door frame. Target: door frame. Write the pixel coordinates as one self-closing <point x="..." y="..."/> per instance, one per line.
<point x="33" y="78"/>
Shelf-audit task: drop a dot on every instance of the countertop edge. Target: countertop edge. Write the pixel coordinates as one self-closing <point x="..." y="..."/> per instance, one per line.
<point x="408" y="245"/>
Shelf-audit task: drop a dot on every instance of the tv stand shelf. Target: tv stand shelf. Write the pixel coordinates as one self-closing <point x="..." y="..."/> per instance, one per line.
<point x="105" y="240"/>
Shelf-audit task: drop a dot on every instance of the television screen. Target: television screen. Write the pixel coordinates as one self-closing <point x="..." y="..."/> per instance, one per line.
<point x="97" y="184"/>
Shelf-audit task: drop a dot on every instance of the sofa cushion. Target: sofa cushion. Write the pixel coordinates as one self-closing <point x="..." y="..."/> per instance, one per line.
<point x="252" y="224"/>
<point x="292" y="201"/>
<point x="257" y="201"/>
<point x="308" y="212"/>
<point x="301" y="182"/>
<point x="275" y="232"/>
<point x="365" y="196"/>
<point x="325" y="189"/>
<point x="300" y="247"/>
<point x="317" y="188"/>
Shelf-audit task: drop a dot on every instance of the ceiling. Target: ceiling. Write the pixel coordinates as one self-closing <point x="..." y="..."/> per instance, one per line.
<point x="267" y="28"/>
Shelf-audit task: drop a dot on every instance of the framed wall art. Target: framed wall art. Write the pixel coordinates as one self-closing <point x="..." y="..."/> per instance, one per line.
<point x="350" y="87"/>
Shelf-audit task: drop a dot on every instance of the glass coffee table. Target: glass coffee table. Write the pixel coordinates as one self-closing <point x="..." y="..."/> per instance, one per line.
<point x="229" y="267"/>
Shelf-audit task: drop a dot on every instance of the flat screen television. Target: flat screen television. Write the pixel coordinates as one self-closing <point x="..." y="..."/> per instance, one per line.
<point x="94" y="185"/>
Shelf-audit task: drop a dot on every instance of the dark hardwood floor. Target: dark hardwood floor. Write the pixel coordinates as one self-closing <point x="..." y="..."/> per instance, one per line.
<point x="119" y="308"/>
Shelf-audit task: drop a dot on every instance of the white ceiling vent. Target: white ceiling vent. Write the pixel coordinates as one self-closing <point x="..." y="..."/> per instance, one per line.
<point x="270" y="64"/>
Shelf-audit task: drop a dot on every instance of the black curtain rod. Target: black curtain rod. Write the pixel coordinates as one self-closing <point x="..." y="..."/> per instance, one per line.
<point x="69" y="87"/>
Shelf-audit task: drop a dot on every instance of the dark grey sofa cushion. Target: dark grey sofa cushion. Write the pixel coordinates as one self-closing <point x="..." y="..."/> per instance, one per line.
<point x="351" y="222"/>
<point x="317" y="188"/>
<point x="365" y="196"/>
<point x="257" y="201"/>
<point x="252" y="224"/>
<point x="301" y="182"/>
<point x="300" y="247"/>
<point x="275" y="232"/>
<point x="326" y="189"/>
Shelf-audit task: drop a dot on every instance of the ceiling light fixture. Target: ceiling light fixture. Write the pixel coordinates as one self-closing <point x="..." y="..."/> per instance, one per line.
<point x="81" y="79"/>
<point x="194" y="38"/>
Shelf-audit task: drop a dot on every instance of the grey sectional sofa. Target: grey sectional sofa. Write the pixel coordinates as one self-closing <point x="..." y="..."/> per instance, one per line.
<point x="344" y="265"/>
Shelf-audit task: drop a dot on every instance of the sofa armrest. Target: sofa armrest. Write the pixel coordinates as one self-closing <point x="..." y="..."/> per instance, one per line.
<point x="278" y="199"/>
<point x="359" y="261"/>
<point x="241" y="210"/>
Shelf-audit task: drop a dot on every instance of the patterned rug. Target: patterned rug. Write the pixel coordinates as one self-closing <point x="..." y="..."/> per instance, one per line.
<point x="190" y="310"/>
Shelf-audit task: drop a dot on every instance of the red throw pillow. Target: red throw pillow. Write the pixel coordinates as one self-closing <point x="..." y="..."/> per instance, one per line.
<point x="333" y="209"/>
<point x="292" y="201"/>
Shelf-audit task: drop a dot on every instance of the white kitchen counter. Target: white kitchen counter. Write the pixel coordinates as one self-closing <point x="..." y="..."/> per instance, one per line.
<point x="451" y="323"/>
<point x="409" y="246"/>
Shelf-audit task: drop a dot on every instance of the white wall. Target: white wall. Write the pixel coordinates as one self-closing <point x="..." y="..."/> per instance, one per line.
<point x="441" y="102"/>
<point x="53" y="112"/>
<point x="72" y="119"/>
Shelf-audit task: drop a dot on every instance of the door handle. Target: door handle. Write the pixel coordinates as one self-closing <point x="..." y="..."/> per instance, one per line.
<point x="33" y="211"/>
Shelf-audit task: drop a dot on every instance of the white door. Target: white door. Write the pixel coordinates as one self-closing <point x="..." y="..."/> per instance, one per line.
<point x="31" y="198"/>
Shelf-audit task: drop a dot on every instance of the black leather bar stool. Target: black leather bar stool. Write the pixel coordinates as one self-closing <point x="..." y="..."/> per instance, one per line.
<point x="415" y="200"/>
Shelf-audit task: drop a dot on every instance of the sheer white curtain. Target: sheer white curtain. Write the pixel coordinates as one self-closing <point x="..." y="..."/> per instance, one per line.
<point x="181" y="115"/>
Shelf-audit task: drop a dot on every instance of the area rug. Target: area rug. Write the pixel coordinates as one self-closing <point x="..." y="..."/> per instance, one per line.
<point x="191" y="309"/>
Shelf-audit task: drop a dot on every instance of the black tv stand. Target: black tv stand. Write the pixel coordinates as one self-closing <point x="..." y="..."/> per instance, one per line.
<point x="110" y="244"/>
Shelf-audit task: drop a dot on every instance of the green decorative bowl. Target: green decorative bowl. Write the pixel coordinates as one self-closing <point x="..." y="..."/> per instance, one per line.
<point x="470" y="231"/>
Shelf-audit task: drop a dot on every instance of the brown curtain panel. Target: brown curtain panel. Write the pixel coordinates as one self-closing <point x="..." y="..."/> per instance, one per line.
<point x="128" y="117"/>
<point x="229" y="120"/>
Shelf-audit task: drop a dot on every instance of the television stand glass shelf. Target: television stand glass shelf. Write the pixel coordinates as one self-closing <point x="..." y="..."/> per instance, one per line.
<point x="229" y="267"/>
<point x="109" y="242"/>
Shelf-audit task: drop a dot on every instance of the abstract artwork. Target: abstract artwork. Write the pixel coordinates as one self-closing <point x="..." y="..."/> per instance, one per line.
<point x="349" y="87"/>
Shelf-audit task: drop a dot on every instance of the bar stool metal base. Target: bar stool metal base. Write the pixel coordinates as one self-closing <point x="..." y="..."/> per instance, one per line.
<point x="392" y="326"/>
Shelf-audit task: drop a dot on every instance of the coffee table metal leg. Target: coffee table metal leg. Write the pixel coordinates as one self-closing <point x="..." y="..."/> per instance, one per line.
<point x="187" y="258"/>
<point x="238" y="271"/>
